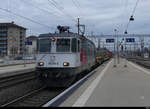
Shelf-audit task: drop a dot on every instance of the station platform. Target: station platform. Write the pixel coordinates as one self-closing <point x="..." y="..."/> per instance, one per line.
<point x="15" y="70"/>
<point x="16" y="62"/>
<point x="113" y="86"/>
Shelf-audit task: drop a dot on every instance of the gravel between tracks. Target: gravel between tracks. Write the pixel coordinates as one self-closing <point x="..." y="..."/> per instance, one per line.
<point x="18" y="90"/>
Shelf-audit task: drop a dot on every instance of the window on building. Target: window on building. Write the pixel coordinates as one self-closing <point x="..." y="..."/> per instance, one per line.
<point x="3" y="30"/>
<point x="3" y="34"/>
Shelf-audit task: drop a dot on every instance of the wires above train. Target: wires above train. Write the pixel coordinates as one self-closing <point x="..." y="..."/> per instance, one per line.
<point x="39" y="8"/>
<point x="23" y="17"/>
<point x="61" y="9"/>
<point x="131" y="19"/>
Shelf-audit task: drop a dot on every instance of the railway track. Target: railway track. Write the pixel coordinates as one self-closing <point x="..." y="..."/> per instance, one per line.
<point x="144" y="64"/>
<point x="35" y="98"/>
<point x="40" y="96"/>
<point x="141" y="61"/>
<point x="139" y="58"/>
<point x="16" y="79"/>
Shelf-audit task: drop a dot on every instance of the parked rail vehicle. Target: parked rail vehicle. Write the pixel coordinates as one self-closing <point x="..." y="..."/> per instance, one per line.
<point x="62" y="56"/>
<point x="102" y="55"/>
<point x="107" y="55"/>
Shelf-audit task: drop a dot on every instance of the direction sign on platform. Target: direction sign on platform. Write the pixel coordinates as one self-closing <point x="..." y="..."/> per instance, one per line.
<point x="110" y="40"/>
<point x="28" y="43"/>
<point x="130" y="39"/>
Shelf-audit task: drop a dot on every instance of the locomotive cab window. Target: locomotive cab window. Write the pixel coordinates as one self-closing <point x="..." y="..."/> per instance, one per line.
<point x="63" y="45"/>
<point x="43" y="45"/>
<point x="74" y="45"/>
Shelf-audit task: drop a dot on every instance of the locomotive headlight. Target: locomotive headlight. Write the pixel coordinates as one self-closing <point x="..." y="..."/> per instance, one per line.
<point x="66" y="64"/>
<point x="41" y="63"/>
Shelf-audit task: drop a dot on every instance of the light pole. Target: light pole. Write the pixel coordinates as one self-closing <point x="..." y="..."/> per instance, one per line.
<point x="115" y="65"/>
<point x="125" y="54"/>
<point x="24" y="54"/>
<point x="134" y="49"/>
<point x="118" y="55"/>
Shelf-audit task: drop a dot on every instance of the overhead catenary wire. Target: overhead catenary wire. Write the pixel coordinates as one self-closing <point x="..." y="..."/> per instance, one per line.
<point x="59" y="8"/>
<point x="57" y="4"/>
<point x="134" y="10"/>
<point x="44" y="10"/>
<point x="26" y="18"/>
<point x="135" y="7"/>
<point x="76" y="5"/>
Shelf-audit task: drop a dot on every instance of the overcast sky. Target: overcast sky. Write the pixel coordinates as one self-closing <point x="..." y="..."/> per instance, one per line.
<point x="99" y="16"/>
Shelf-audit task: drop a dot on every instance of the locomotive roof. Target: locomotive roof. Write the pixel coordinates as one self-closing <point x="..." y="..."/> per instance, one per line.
<point x="64" y="34"/>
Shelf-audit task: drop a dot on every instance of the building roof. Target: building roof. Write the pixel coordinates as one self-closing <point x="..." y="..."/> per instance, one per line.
<point x="11" y="25"/>
<point x="31" y="38"/>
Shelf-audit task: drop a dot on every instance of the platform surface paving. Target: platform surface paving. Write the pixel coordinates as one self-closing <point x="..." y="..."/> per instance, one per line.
<point x="111" y="86"/>
<point x="17" y="69"/>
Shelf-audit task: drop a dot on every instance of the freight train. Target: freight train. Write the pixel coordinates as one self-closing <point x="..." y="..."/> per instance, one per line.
<point x="102" y="55"/>
<point x="64" y="55"/>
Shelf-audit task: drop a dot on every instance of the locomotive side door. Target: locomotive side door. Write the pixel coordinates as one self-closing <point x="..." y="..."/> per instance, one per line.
<point x="78" y="51"/>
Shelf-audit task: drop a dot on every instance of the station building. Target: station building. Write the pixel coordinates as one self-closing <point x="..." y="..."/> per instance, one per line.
<point x="32" y="45"/>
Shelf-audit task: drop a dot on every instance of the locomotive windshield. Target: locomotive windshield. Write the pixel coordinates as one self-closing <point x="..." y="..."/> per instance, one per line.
<point x="63" y="45"/>
<point x="45" y="45"/>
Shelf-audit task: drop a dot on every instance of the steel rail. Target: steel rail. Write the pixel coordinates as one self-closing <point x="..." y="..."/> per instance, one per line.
<point x="22" y="97"/>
